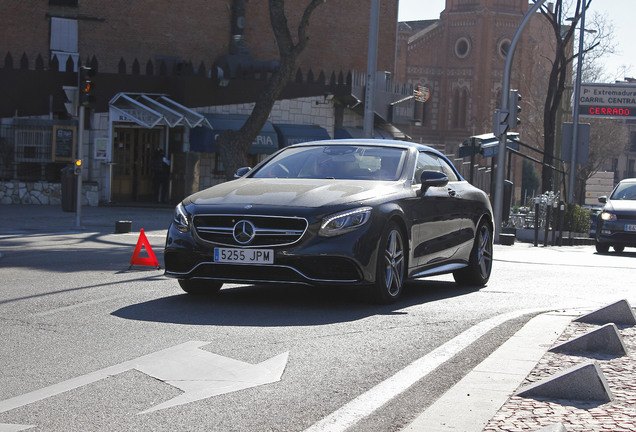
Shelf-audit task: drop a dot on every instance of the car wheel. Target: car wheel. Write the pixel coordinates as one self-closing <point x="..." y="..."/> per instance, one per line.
<point x="480" y="262"/>
<point x="618" y="249"/>
<point x="601" y="247"/>
<point x="391" y="266"/>
<point x="200" y="286"/>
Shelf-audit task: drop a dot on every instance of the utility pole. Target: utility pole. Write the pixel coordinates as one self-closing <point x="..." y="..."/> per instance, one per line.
<point x="575" y="109"/>
<point x="80" y="136"/>
<point x="372" y="64"/>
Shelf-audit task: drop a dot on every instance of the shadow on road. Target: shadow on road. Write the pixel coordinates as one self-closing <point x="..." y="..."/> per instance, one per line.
<point x="270" y="306"/>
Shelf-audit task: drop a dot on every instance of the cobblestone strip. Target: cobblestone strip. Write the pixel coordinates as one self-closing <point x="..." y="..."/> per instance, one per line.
<point x="524" y="414"/>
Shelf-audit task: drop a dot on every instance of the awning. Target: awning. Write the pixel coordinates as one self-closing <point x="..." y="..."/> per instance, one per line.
<point x="289" y="134"/>
<point x="150" y="110"/>
<point x="204" y="140"/>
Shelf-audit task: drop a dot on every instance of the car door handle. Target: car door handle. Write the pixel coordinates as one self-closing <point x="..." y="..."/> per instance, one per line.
<point x="451" y="192"/>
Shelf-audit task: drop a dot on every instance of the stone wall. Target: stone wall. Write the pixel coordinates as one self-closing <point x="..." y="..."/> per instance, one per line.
<point x="43" y="193"/>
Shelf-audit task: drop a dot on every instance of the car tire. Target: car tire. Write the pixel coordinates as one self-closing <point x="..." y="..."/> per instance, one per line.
<point x="200" y="286"/>
<point x="391" y="266"/>
<point x="618" y="249"/>
<point x="601" y="247"/>
<point x="480" y="263"/>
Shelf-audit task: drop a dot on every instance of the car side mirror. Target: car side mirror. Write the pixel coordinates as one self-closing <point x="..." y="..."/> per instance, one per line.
<point x="433" y="179"/>
<point x="602" y="199"/>
<point x="241" y="172"/>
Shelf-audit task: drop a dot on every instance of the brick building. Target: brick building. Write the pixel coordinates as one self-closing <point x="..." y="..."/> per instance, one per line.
<point x="460" y="59"/>
<point x="203" y="58"/>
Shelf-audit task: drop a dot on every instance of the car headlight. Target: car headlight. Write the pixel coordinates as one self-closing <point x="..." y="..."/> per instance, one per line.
<point x="344" y="222"/>
<point x="181" y="218"/>
<point x="607" y="216"/>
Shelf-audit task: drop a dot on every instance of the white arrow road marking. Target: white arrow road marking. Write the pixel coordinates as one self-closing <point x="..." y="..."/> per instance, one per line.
<point x="368" y="402"/>
<point x="14" y="428"/>
<point x="200" y="374"/>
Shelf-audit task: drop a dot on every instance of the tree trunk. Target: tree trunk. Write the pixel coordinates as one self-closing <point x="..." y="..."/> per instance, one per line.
<point x="233" y="146"/>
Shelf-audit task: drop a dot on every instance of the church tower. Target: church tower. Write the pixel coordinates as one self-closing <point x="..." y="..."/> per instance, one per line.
<point x="460" y="58"/>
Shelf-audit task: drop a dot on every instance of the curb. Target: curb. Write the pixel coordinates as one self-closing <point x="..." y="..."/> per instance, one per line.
<point x="488" y="386"/>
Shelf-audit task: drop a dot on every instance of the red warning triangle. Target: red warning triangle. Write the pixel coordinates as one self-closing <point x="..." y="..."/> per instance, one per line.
<point x="151" y="260"/>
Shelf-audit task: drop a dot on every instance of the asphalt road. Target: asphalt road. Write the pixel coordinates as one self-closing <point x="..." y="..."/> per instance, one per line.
<point x="89" y="343"/>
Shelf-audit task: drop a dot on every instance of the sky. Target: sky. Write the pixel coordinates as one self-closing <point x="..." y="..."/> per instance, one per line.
<point x="620" y="12"/>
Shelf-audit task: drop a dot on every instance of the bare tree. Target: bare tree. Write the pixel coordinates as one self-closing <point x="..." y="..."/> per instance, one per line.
<point x="233" y="145"/>
<point x="599" y="42"/>
<point x="608" y="140"/>
<point x="558" y="78"/>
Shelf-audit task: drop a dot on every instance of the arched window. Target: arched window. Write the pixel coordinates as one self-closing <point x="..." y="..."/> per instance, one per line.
<point x="460" y="108"/>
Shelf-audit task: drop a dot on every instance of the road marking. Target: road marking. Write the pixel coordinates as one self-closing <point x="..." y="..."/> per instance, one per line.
<point x="200" y="374"/>
<point x="368" y="402"/>
<point x="78" y="305"/>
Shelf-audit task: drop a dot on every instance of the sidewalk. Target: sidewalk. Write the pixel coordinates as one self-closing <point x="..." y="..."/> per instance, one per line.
<point x="33" y="219"/>
<point x="484" y="400"/>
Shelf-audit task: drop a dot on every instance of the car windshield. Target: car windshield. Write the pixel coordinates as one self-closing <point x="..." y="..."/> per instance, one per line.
<point x="624" y="191"/>
<point x="356" y="162"/>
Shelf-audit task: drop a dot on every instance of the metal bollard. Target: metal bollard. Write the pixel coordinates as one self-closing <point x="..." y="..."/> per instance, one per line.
<point x="536" y="222"/>
<point x="561" y="220"/>
<point x="555" y="218"/>
<point x="547" y="224"/>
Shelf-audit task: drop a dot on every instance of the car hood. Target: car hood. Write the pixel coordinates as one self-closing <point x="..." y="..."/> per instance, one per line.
<point x="621" y="206"/>
<point x="292" y="192"/>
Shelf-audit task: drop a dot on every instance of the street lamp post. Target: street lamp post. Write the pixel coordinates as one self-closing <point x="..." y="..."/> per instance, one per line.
<point x="501" y="134"/>
<point x="575" y="109"/>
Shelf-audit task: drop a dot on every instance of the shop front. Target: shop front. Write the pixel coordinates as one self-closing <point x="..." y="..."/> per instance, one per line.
<point x="146" y="132"/>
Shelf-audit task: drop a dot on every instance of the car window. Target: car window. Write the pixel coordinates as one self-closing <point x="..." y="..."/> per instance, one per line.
<point x="336" y="162"/>
<point x="446" y="169"/>
<point x="624" y="191"/>
<point x="432" y="162"/>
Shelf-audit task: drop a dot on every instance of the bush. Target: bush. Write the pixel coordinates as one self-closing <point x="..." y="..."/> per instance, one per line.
<point x="576" y="219"/>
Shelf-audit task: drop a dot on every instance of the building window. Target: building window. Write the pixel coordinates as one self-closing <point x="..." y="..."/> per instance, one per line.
<point x="462" y="47"/>
<point x="503" y="47"/>
<point x="63" y="43"/>
<point x="67" y="3"/>
<point x="460" y="108"/>
<point x="632" y="142"/>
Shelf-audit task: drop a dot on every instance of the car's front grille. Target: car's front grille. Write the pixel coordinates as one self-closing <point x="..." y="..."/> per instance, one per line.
<point x="260" y="231"/>
<point x="626" y="217"/>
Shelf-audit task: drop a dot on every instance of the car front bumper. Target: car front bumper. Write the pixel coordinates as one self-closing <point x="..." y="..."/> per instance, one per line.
<point x="617" y="233"/>
<point x="348" y="259"/>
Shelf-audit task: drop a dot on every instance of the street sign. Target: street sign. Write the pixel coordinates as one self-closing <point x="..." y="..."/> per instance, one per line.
<point x="487" y="145"/>
<point x="421" y="93"/>
<point x="492" y="150"/>
<point x="608" y="100"/>
<point x="582" y="145"/>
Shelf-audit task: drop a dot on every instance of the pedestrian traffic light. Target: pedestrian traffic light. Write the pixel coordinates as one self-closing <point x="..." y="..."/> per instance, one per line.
<point x="77" y="167"/>
<point x="501" y="122"/>
<point x="513" y="105"/>
<point x="86" y="85"/>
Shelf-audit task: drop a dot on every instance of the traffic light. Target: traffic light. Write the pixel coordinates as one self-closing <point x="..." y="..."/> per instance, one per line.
<point x="513" y="105"/>
<point x="501" y="122"/>
<point x="77" y="167"/>
<point x="86" y="85"/>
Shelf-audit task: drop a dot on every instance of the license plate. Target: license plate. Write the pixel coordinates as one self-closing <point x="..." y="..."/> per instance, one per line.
<point x="244" y="256"/>
<point x="630" y="227"/>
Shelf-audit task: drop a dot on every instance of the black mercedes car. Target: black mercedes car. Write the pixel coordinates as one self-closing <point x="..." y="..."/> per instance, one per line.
<point x="366" y="213"/>
<point x="616" y="223"/>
